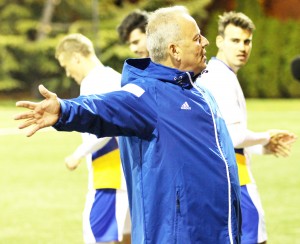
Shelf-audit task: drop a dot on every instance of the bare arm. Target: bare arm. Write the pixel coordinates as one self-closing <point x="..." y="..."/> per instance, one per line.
<point x="73" y="160"/>
<point x="242" y="137"/>
<point x="276" y="142"/>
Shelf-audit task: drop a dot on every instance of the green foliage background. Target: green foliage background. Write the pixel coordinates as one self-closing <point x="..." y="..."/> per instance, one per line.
<point x="275" y="44"/>
<point x="26" y="61"/>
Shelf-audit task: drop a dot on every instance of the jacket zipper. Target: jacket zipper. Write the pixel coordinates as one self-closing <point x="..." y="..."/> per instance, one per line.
<point x="224" y="159"/>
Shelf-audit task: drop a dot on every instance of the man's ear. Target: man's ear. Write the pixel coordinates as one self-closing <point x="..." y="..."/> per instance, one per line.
<point x="219" y="41"/>
<point x="76" y="57"/>
<point x="174" y="51"/>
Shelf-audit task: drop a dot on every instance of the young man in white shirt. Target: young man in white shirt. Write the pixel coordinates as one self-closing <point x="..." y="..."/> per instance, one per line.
<point x="106" y="201"/>
<point x="234" y="42"/>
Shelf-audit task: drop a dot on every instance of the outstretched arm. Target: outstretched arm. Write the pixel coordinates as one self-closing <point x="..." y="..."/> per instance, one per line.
<point x="42" y="114"/>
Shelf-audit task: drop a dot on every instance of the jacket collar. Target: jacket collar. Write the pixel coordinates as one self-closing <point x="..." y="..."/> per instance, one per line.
<point x="134" y="68"/>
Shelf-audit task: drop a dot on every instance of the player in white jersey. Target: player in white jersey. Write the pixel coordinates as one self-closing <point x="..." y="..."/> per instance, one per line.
<point x="106" y="201"/>
<point x="234" y="42"/>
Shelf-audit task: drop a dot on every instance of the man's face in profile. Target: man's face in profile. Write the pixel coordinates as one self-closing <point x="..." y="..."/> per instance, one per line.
<point x="137" y="43"/>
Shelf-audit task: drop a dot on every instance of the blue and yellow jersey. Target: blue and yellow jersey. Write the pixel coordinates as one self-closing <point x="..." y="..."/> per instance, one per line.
<point x="106" y="166"/>
<point x="243" y="170"/>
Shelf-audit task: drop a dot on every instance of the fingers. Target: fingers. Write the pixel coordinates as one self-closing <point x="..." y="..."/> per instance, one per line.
<point x="289" y="138"/>
<point x="281" y="134"/>
<point x="27" y="123"/>
<point x="32" y="105"/>
<point x="279" y="151"/>
<point x="41" y="114"/>
<point x="288" y="141"/>
<point x="291" y="141"/>
<point x="284" y="146"/>
<point x="29" y="115"/>
<point x="33" y="130"/>
<point x="282" y="150"/>
<point x="26" y="104"/>
<point x="46" y="93"/>
<point x="26" y="115"/>
<point x="281" y="143"/>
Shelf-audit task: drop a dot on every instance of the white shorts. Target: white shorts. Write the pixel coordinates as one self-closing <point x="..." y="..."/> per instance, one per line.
<point x="253" y="217"/>
<point x="104" y="215"/>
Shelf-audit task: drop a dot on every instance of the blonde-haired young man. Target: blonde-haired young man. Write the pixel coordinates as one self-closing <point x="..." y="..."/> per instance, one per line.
<point x="106" y="201"/>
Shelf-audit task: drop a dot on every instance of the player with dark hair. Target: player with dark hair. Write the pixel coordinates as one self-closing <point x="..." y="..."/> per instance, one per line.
<point x="132" y="30"/>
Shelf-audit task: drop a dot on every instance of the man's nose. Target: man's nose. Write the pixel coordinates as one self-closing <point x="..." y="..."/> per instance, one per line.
<point x="242" y="46"/>
<point x="205" y="42"/>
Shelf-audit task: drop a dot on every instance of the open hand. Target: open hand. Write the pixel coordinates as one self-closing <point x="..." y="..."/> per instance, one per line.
<point x="41" y="114"/>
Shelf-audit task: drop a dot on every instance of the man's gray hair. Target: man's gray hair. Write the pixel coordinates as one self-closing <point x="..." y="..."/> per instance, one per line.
<point x="162" y="29"/>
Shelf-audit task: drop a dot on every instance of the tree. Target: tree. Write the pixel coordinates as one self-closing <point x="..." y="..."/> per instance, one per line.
<point x="45" y="22"/>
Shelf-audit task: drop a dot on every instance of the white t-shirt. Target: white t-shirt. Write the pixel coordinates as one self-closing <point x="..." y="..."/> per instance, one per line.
<point x="101" y="79"/>
<point x="223" y="83"/>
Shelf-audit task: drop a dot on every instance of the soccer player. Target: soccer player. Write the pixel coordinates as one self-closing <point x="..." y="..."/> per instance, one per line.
<point x="106" y="201"/>
<point x="234" y="42"/>
<point x="132" y="31"/>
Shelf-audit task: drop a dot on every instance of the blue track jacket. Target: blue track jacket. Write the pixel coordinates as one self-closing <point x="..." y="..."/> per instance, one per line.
<point x="177" y="155"/>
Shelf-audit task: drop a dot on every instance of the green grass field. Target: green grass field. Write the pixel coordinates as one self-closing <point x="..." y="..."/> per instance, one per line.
<point x="278" y="178"/>
<point x="41" y="201"/>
